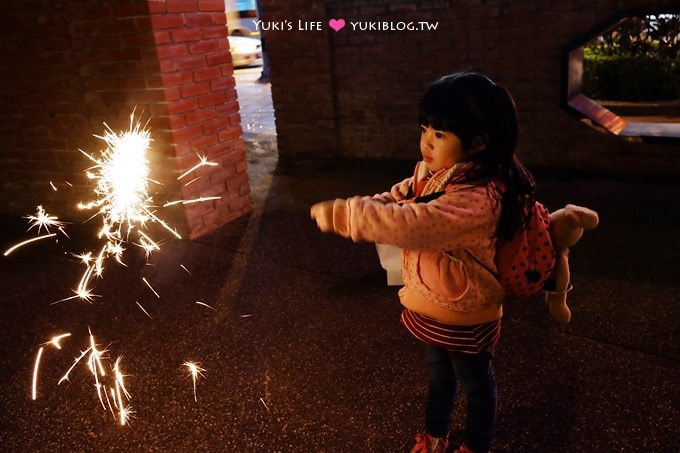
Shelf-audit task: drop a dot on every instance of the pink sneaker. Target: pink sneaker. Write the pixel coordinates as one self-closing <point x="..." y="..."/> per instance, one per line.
<point x="428" y="444"/>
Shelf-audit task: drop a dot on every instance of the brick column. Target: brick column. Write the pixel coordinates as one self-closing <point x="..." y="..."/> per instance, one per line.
<point x="201" y="108"/>
<point x="69" y="66"/>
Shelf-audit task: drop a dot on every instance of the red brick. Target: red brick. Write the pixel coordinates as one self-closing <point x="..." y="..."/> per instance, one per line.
<point x="182" y="106"/>
<point x="190" y="62"/>
<point x="172" y="51"/>
<point x="211" y="99"/>
<point x="178" y="78"/>
<point x="219" y="59"/>
<point x="181" y="6"/>
<point x="157" y="6"/>
<point x="217" y="32"/>
<point x="199" y="20"/>
<point x="203" y="47"/>
<point x="187" y="133"/>
<point x="195" y="89"/>
<point x="168" y="21"/>
<point x="211" y="5"/>
<point x="208" y="73"/>
<point x="162" y="37"/>
<point x="186" y="34"/>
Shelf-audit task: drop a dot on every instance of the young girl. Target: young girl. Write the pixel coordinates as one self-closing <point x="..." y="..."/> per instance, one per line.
<point x="468" y="192"/>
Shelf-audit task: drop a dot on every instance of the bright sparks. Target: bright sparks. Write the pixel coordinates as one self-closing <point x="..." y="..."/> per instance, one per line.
<point x="54" y="341"/>
<point x="203" y="161"/>
<point x="123" y="202"/>
<point x="195" y="371"/>
<point x="105" y="384"/>
<point x="28" y="241"/>
<point x="36" y="367"/>
<point x="42" y="219"/>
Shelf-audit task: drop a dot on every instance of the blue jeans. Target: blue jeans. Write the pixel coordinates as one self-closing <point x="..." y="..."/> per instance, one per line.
<point x="475" y="375"/>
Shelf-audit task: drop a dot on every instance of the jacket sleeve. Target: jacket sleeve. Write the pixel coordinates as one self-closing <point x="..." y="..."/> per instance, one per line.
<point x="463" y="218"/>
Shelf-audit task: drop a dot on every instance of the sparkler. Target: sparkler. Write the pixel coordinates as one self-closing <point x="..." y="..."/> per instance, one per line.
<point x="195" y="371"/>
<point x="123" y="202"/>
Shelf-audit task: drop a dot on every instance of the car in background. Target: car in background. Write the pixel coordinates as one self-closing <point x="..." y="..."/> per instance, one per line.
<point x="245" y="51"/>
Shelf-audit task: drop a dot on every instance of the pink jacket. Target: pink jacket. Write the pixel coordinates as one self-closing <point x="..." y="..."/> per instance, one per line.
<point x="441" y="279"/>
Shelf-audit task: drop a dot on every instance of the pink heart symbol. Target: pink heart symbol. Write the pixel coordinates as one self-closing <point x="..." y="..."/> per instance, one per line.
<point x="336" y="24"/>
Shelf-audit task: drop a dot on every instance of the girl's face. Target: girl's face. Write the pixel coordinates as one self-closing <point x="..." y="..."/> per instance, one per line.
<point x="440" y="149"/>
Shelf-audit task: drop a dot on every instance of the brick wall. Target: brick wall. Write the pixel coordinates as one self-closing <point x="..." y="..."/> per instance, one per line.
<point x="69" y="66"/>
<point x="202" y="109"/>
<point x="354" y="93"/>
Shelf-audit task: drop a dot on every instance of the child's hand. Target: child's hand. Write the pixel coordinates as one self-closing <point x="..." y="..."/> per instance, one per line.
<point x="322" y="213"/>
<point x="401" y="190"/>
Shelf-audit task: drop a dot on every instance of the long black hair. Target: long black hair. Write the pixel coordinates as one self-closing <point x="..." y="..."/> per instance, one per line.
<point x="480" y="112"/>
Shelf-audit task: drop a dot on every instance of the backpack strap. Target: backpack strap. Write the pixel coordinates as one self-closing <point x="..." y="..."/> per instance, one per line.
<point x="478" y="261"/>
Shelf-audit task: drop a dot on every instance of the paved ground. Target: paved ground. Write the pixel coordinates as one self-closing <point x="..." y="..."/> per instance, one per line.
<point x="303" y="350"/>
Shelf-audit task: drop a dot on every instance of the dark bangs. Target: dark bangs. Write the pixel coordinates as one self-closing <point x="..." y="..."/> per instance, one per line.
<point x="446" y="107"/>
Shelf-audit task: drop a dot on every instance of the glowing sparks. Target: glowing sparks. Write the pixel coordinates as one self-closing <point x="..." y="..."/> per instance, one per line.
<point x="142" y="308"/>
<point x="56" y="340"/>
<point x="119" y="391"/>
<point x="121" y="199"/>
<point x="195" y="200"/>
<point x="42" y="219"/>
<point x="115" y="387"/>
<point x="195" y="371"/>
<point x="36" y="366"/>
<point x="122" y="178"/>
<point x="198" y="302"/>
<point x="203" y="161"/>
<point x="265" y="405"/>
<point x="28" y="241"/>
<point x="150" y="287"/>
<point x="75" y="362"/>
<point x="187" y="270"/>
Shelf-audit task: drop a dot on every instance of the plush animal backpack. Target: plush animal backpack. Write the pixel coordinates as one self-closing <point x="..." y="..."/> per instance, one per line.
<point x="524" y="263"/>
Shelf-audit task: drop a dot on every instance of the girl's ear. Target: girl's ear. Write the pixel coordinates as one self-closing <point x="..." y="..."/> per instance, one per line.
<point x="479" y="143"/>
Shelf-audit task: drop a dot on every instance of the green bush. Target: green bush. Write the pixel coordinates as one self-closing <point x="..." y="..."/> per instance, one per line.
<point x="631" y="78"/>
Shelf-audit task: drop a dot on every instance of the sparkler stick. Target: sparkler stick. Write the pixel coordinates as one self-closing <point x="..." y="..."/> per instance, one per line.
<point x="195" y="371"/>
<point x="36" y="366"/>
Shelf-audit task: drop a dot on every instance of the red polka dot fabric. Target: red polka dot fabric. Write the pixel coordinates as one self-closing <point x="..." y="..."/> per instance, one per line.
<point x="526" y="262"/>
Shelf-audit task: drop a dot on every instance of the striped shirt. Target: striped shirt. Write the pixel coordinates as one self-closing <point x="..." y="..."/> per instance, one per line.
<point x="465" y="339"/>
